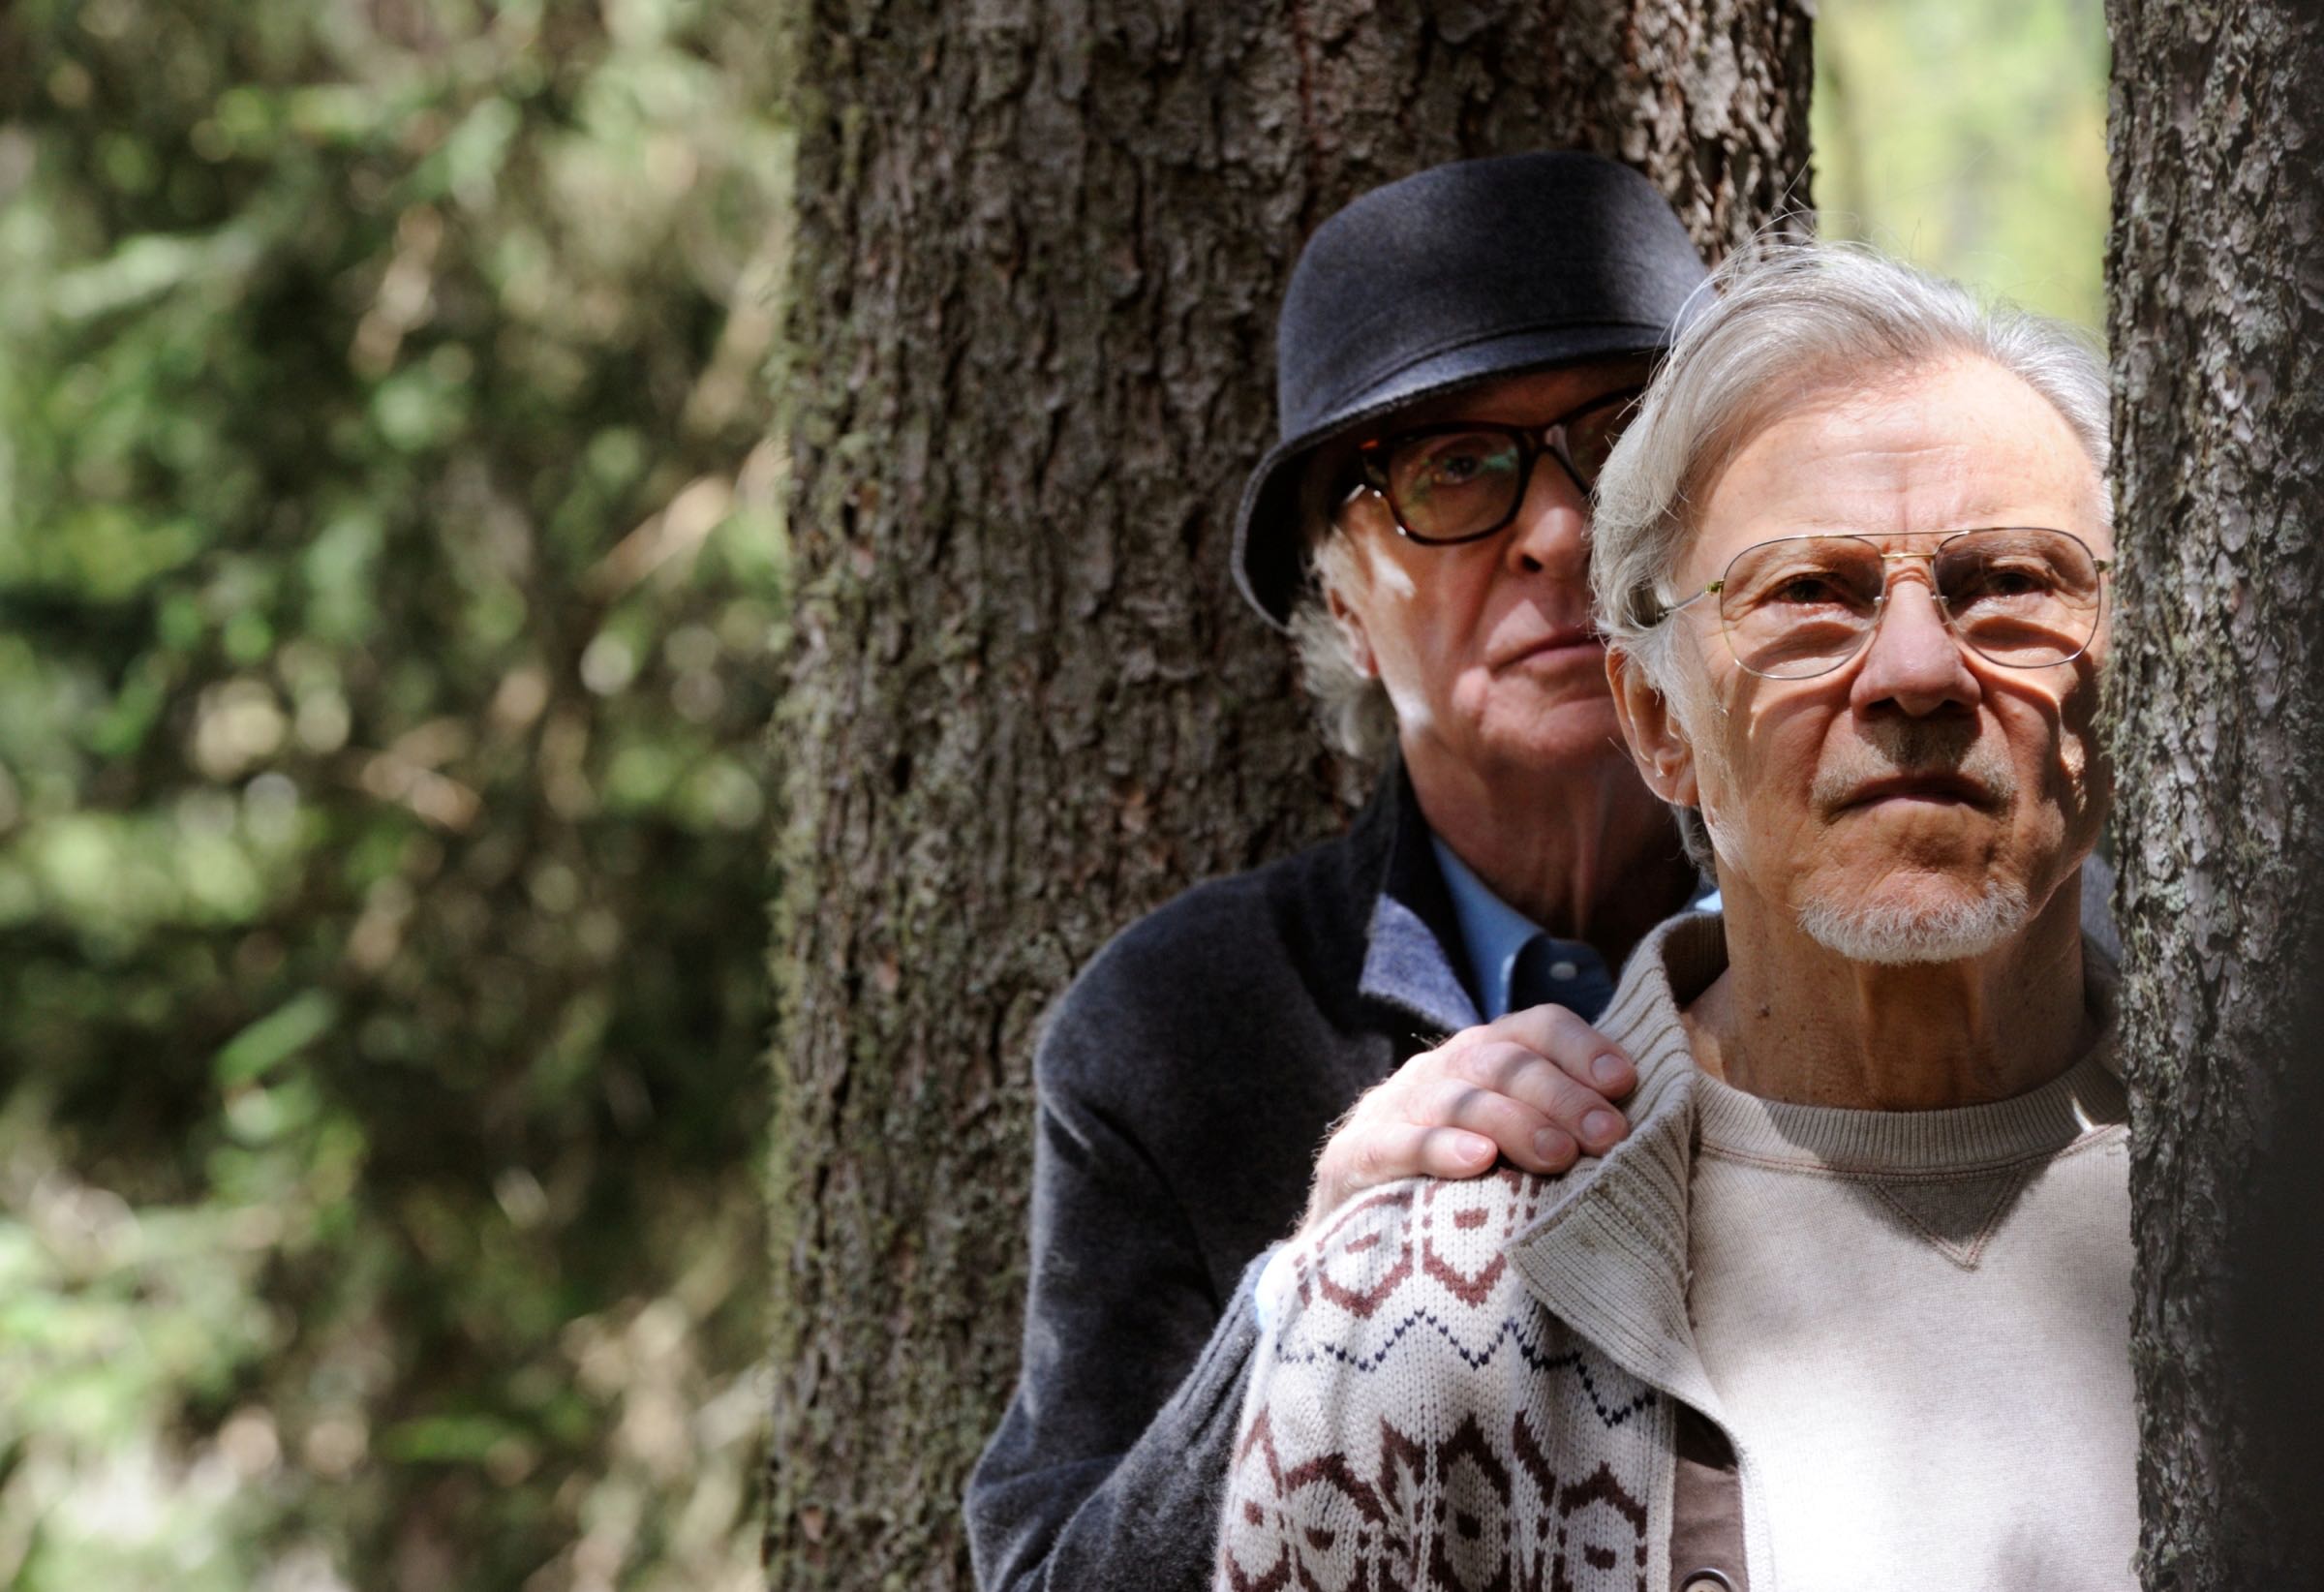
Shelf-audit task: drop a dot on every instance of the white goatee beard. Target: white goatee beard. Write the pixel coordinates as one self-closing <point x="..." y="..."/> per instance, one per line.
<point x="1893" y="933"/>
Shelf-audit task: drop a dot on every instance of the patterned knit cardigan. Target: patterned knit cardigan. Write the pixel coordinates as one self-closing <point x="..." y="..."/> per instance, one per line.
<point x="1473" y="1386"/>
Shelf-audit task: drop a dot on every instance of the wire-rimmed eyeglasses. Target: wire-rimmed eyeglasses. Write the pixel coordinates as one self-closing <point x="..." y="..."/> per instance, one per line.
<point x="2023" y="596"/>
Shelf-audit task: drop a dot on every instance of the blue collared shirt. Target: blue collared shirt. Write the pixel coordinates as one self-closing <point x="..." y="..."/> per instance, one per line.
<point x="1493" y="932"/>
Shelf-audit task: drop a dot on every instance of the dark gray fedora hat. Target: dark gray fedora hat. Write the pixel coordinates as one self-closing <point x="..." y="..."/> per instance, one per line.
<point x="1454" y="275"/>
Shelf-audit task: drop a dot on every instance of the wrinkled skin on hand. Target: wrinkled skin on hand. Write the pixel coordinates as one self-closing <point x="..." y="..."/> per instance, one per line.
<point x="1536" y="1089"/>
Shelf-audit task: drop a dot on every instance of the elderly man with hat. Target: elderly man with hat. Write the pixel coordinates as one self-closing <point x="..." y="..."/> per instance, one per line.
<point x="1456" y="354"/>
<point x="1851" y="1306"/>
<point x="1489" y="319"/>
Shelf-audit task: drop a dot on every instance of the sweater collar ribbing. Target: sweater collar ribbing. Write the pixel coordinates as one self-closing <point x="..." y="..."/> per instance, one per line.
<point x="1609" y="1255"/>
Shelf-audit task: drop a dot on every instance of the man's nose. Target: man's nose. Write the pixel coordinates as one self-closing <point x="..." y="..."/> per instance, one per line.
<point x="1552" y="528"/>
<point x="1913" y="660"/>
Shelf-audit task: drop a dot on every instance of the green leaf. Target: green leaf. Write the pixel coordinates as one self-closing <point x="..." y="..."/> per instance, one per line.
<point x="290" y="1028"/>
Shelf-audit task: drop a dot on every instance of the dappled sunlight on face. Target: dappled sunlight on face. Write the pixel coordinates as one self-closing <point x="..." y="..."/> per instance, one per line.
<point x="1918" y="789"/>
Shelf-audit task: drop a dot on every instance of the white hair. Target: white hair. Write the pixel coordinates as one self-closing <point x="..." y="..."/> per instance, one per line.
<point x="1794" y="321"/>
<point x="1351" y="706"/>
<point x="1791" y="320"/>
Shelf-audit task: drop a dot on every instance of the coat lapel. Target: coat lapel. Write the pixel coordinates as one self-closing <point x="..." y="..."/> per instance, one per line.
<point x="1413" y="950"/>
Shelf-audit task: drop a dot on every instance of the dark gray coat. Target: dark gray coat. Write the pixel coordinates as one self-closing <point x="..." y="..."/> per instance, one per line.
<point x="1185" y="1082"/>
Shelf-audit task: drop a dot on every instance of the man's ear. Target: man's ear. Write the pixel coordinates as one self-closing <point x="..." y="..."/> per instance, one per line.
<point x="1351" y="626"/>
<point x="1658" y="744"/>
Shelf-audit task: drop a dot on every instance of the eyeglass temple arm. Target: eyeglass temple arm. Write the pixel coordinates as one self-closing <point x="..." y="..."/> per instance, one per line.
<point x="1670" y="608"/>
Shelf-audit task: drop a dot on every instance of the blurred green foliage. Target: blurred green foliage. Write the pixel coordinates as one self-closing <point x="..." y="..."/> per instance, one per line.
<point x="1969" y="136"/>
<point x="389" y="579"/>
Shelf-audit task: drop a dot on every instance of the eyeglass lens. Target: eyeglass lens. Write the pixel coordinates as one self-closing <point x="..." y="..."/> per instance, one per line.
<point x="1804" y="605"/>
<point x="1456" y="484"/>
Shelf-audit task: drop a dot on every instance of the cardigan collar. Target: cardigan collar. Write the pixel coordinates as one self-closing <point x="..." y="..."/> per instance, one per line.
<point x="1608" y="1256"/>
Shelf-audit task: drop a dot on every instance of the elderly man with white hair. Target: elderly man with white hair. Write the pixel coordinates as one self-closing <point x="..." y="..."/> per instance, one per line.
<point x="1850" y="1308"/>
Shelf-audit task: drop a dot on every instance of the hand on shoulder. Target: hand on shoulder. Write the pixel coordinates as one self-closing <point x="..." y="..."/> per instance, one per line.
<point x="1535" y="1089"/>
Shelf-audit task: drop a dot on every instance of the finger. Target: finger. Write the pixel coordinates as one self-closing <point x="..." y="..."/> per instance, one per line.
<point x="1524" y="1134"/>
<point x="1365" y="1155"/>
<point x="1509" y="1068"/>
<point x="1455" y="1153"/>
<point x="1579" y="1050"/>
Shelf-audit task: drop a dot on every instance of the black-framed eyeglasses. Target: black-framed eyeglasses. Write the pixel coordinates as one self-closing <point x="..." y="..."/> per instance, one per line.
<point x="1464" y="481"/>
<point x="2023" y="596"/>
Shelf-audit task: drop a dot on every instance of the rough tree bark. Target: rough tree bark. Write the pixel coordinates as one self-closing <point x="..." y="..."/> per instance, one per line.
<point x="2215" y="269"/>
<point x="1039" y="251"/>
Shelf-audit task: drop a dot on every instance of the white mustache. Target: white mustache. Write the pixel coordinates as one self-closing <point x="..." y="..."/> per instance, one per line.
<point x="1917" y="749"/>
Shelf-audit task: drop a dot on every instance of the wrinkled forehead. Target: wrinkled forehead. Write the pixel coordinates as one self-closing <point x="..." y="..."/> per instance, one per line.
<point x="1947" y="447"/>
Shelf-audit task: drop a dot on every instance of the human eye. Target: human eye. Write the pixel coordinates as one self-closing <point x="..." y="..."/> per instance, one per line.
<point x="1807" y="583"/>
<point x="1792" y="603"/>
<point x="2022" y="598"/>
<point x="2003" y="578"/>
<point x="1463" y="458"/>
<point x="1804" y="588"/>
<point x="1455" y="465"/>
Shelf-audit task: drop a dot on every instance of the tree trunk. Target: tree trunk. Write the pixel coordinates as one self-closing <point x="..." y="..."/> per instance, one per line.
<point x="2215" y="269"/>
<point x="1039" y="253"/>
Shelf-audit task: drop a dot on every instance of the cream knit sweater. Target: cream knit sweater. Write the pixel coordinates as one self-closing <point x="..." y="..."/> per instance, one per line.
<point x="1918" y="1323"/>
<point x="1473" y="1384"/>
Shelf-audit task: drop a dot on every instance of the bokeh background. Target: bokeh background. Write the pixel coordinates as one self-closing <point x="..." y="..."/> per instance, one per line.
<point x="391" y="608"/>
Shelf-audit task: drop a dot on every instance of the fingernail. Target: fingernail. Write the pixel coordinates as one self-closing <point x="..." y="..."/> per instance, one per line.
<point x="1608" y="1070"/>
<point x="1601" y="1127"/>
<point x="1552" y="1146"/>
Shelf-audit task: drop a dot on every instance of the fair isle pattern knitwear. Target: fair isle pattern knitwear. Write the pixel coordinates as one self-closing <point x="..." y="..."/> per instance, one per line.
<point x="1470" y="1386"/>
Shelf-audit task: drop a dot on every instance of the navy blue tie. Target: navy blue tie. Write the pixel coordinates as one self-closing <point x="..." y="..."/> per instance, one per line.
<point x="1571" y="975"/>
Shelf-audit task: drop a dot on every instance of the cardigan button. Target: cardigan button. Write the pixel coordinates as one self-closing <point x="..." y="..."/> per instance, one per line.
<point x="1706" y="1581"/>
